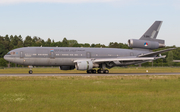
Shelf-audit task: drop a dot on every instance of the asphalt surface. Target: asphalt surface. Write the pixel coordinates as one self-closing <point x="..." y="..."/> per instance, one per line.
<point x="115" y="74"/>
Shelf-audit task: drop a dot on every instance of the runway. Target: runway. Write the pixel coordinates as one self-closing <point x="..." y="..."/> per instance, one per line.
<point x="84" y="74"/>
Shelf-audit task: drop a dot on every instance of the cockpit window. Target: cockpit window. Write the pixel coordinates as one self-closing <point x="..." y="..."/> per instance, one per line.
<point x="8" y="53"/>
<point x="12" y="53"/>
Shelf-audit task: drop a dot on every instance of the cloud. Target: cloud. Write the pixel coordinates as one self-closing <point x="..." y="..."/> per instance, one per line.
<point x="54" y="1"/>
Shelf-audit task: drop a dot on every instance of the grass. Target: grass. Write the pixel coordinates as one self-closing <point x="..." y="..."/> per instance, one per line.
<point x="90" y="93"/>
<point x="113" y="70"/>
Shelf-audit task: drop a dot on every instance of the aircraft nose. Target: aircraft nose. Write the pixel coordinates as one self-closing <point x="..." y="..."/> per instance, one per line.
<point x="7" y="58"/>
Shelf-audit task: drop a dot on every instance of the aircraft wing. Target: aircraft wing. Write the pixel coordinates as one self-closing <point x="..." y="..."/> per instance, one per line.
<point x="121" y="61"/>
<point x="130" y="60"/>
<point x="125" y="61"/>
<point x="150" y="54"/>
<point x="102" y="60"/>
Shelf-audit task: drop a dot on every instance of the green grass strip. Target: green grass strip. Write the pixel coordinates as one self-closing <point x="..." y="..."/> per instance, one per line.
<point x="90" y="94"/>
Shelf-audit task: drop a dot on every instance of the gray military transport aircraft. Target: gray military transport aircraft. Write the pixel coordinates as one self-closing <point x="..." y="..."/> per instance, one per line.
<point x="69" y="58"/>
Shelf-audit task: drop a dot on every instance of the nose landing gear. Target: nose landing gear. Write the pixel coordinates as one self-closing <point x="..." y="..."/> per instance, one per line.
<point x="30" y="71"/>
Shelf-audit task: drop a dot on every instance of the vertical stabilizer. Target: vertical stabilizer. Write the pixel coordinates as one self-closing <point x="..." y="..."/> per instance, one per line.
<point x="152" y="32"/>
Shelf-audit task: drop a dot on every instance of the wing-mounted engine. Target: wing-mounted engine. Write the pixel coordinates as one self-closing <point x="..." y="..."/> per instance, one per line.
<point x="84" y="65"/>
<point x="144" y="44"/>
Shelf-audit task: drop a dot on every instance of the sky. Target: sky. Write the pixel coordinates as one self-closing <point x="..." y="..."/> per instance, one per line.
<point x="90" y="21"/>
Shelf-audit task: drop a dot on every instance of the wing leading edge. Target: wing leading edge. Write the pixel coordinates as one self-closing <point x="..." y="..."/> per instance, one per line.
<point x="123" y="59"/>
<point x="152" y="54"/>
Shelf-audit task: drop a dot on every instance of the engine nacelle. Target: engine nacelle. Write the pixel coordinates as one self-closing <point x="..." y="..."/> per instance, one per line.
<point x="144" y="44"/>
<point x="66" y="67"/>
<point x="84" y="65"/>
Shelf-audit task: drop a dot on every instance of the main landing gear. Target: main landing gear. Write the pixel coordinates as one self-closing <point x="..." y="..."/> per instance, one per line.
<point x="100" y="71"/>
<point x="30" y="71"/>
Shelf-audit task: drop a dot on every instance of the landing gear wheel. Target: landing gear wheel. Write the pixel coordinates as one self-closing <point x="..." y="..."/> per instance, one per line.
<point x="100" y="71"/>
<point x="30" y="71"/>
<point x="88" y="71"/>
<point x="106" y="71"/>
<point x="93" y="71"/>
<point x="103" y="71"/>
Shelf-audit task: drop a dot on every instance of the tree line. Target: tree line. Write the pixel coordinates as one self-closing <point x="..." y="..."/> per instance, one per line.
<point x="11" y="42"/>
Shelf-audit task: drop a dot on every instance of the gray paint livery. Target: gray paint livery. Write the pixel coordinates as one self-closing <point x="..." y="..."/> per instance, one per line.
<point x="89" y="58"/>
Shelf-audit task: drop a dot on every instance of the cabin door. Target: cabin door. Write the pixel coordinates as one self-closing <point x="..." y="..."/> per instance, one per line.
<point x="21" y="54"/>
<point x="52" y="54"/>
<point x="88" y="55"/>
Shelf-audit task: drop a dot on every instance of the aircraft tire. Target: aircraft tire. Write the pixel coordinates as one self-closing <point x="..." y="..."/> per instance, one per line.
<point x="100" y="71"/>
<point x="106" y="71"/>
<point x="89" y="71"/>
<point x="30" y="71"/>
<point x="93" y="71"/>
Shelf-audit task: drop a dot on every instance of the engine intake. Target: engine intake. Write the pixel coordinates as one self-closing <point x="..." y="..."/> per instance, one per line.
<point x="144" y="44"/>
<point x="84" y="65"/>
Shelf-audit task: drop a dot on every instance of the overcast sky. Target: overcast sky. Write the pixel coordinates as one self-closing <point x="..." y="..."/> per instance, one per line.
<point x="90" y="21"/>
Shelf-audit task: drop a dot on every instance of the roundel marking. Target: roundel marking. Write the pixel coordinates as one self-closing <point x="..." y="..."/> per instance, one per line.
<point x="145" y="44"/>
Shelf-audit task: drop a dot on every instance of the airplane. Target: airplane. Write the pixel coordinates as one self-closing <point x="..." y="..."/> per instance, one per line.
<point x="69" y="58"/>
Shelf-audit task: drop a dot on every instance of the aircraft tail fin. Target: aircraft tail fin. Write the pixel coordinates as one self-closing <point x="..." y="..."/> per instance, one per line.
<point x="152" y="32"/>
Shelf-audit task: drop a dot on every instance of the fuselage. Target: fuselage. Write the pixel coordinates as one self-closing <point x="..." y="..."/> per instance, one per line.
<point x="58" y="56"/>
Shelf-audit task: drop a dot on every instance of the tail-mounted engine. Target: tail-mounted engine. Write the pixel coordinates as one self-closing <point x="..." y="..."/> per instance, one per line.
<point x="144" y="44"/>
